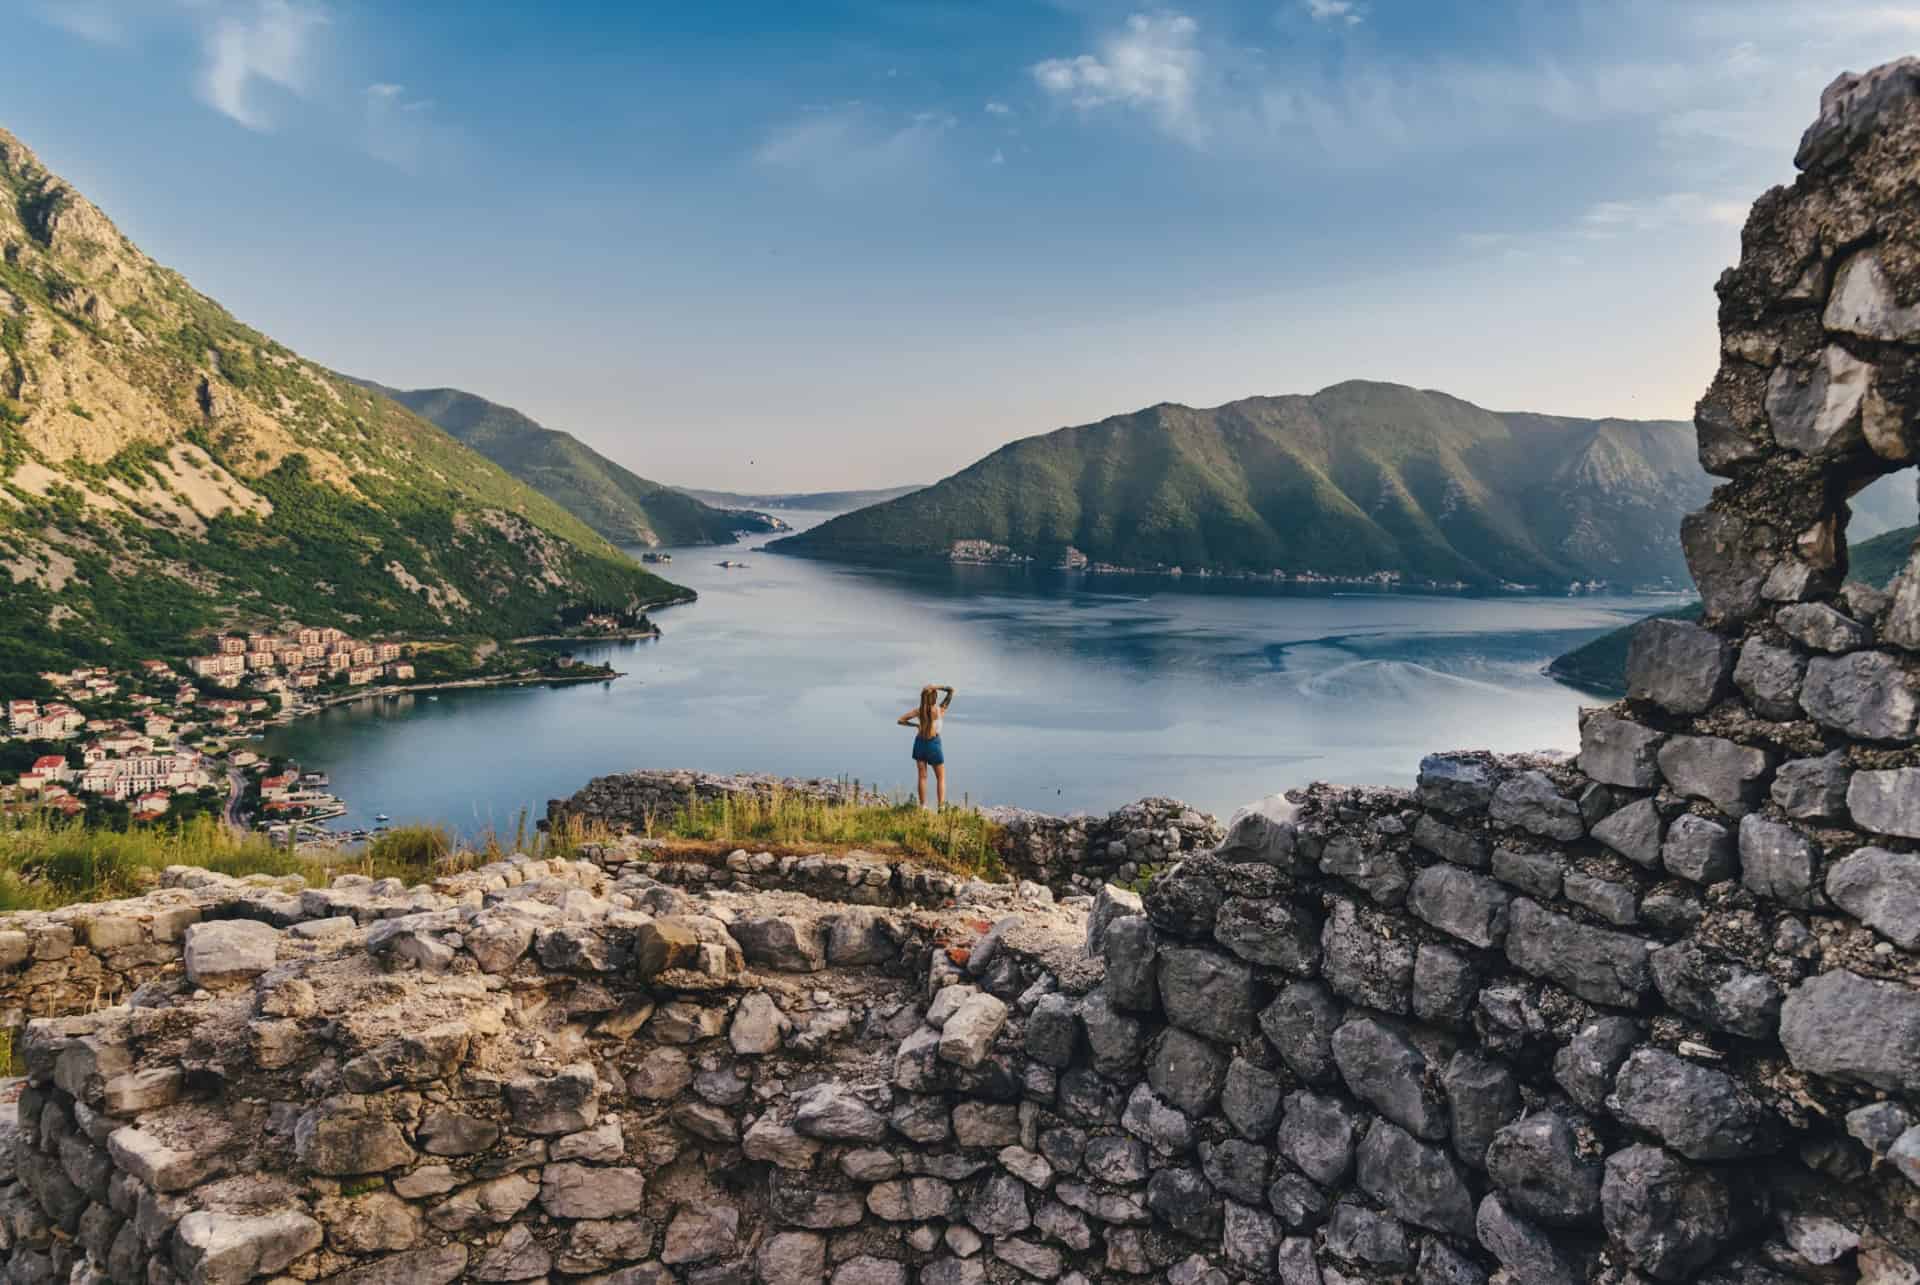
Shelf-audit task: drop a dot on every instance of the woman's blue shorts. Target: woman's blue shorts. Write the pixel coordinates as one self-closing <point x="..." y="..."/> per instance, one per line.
<point x="927" y="750"/>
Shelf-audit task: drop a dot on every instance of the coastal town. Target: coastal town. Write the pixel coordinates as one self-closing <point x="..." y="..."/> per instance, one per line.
<point x="167" y="739"/>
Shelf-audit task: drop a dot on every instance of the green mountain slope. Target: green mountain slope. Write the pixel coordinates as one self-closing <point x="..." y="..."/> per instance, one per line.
<point x="165" y="469"/>
<point x="1601" y="665"/>
<point x="620" y="505"/>
<point x="1357" y="479"/>
<point x="1878" y="561"/>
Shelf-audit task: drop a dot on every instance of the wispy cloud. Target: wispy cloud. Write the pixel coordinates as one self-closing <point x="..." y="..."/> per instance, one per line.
<point x="267" y="42"/>
<point x="399" y="126"/>
<point x="96" y="20"/>
<point x="998" y="108"/>
<point x="1608" y="219"/>
<point x="1345" y="11"/>
<point x="1699" y="77"/>
<point x="269" y="64"/>
<point x="1152" y="64"/>
<point x="854" y="145"/>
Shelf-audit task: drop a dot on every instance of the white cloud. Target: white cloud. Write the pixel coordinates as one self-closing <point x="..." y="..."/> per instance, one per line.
<point x="854" y="146"/>
<point x="95" y="20"/>
<point x="1152" y="64"/>
<point x="1335" y="11"/>
<point x="256" y="57"/>
<point x="1607" y="219"/>
<point x="267" y="41"/>
<point x="399" y="130"/>
<point x="1719" y="85"/>
<point x="998" y="158"/>
<point x="997" y="108"/>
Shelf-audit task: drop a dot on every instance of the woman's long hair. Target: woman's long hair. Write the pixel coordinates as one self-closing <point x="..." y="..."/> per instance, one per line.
<point x="928" y="696"/>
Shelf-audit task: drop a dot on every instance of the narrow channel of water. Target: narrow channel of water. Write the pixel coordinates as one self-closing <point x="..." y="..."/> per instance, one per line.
<point x="1075" y="693"/>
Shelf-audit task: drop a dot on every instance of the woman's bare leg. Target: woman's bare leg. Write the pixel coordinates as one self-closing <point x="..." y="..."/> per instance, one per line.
<point x="923" y="781"/>
<point x="940" y="779"/>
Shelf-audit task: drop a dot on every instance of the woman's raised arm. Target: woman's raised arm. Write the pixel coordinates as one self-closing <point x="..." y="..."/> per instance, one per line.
<point x="949" y="697"/>
<point x="909" y="719"/>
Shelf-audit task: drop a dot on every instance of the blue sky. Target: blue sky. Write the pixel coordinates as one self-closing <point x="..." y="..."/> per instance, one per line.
<point x="794" y="245"/>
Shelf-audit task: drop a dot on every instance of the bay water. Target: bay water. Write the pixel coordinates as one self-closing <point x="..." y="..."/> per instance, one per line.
<point x="1076" y="692"/>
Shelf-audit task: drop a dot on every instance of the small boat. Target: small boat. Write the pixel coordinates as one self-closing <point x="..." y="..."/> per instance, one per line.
<point x="433" y="698"/>
<point x="381" y="816"/>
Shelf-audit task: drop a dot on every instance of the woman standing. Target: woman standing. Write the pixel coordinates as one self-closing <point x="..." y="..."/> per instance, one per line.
<point x="926" y="719"/>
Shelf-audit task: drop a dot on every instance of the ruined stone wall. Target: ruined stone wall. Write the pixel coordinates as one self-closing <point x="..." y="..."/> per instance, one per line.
<point x="637" y="802"/>
<point x="859" y="878"/>
<point x="1068" y="854"/>
<point x="1082" y="854"/>
<point x="1647" y="1015"/>
<point x="92" y="955"/>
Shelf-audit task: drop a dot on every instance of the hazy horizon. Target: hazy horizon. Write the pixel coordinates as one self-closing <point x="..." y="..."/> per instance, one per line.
<point x="860" y="244"/>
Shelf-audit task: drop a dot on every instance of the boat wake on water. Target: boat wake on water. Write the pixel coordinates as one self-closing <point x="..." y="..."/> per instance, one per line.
<point x="1389" y="679"/>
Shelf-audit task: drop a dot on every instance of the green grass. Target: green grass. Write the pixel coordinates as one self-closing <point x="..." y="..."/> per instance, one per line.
<point x="412" y="847"/>
<point x="960" y="839"/>
<point x="47" y="862"/>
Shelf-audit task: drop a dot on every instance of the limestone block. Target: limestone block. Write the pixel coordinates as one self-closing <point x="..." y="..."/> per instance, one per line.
<point x="1678" y="666"/>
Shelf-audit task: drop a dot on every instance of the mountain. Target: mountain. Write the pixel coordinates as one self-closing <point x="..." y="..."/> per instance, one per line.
<point x="620" y="505"/>
<point x="1878" y="561"/>
<point x="1601" y="665"/>
<point x="1884" y="505"/>
<point x="1355" y="480"/>
<point x="817" y="501"/>
<point x="165" y="468"/>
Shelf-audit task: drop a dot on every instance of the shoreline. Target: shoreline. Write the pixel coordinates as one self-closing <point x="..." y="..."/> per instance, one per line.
<point x="621" y="635"/>
<point x="1375" y="582"/>
<point x="525" y="678"/>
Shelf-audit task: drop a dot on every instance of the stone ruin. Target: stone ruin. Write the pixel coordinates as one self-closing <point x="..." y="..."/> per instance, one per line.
<point x="1647" y="1015"/>
<point x="1069" y="854"/>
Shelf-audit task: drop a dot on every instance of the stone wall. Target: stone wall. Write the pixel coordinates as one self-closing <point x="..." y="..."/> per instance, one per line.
<point x="857" y="878"/>
<point x="78" y="958"/>
<point x="1083" y="853"/>
<point x="638" y="802"/>
<point x="1068" y="854"/>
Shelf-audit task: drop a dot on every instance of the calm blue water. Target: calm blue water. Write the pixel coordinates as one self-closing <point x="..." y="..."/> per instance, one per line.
<point x="1073" y="693"/>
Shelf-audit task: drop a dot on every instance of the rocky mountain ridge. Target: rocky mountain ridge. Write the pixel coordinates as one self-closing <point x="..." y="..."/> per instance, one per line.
<point x="165" y="468"/>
